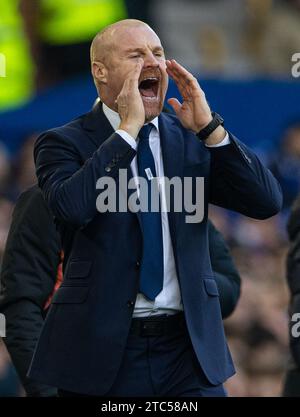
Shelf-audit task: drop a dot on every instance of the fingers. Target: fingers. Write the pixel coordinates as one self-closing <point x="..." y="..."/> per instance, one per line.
<point x="175" y="104"/>
<point x="133" y="76"/>
<point x="130" y="85"/>
<point x="136" y="72"/>
<point x="185" y="81"/>
<point x="179" y="71"/>
<point x="129" y="103"/>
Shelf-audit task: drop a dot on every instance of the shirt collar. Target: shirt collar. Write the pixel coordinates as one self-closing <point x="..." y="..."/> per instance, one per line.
<point x="114" y="118"/>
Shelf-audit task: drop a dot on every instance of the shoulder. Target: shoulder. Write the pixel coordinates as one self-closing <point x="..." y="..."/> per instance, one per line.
<point x="70" y="130"/>
<point x="68" y="137"/>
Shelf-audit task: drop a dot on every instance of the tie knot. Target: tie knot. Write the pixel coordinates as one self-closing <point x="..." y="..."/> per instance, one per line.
<point x="145" y="131"/>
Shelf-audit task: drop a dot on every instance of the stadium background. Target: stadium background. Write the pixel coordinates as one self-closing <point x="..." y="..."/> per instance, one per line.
<point x="241" y="51"/>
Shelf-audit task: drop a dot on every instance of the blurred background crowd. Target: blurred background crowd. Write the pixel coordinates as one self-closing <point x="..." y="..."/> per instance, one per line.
<point x="241" y="51"/>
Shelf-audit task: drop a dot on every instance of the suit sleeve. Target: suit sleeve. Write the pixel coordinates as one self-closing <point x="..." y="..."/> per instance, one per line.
<point x="28" y="274"/>
<point x="226" y="275"/>
<point x="239" y="181"/>
<point x="69" y="186"/>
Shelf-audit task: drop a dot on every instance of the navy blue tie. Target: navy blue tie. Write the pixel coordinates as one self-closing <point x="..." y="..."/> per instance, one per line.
<point x="152" y="265"/>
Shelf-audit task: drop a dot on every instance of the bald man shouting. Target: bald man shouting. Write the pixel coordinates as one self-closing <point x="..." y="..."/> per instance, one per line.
<point x="138" y="313"/>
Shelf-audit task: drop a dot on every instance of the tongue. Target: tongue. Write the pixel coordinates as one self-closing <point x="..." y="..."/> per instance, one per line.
<point x="147" y="92"/>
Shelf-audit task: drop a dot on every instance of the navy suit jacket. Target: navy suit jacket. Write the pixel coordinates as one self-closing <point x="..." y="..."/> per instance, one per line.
<point x="82" y="342"/>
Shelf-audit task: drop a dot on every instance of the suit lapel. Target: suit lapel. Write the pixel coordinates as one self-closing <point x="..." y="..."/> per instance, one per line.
<point x="97" y="126"/>
<point x="172" y="146"/>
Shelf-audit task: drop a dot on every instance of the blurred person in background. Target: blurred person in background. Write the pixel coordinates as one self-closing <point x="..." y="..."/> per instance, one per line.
<point x="5" y="169"/>
<point x="292" y="382"/>
<point x="6" y="208"/>
<point x="31" y="273"/>
<point x="17" y="173"/>
<point x="60" y="33"/>
<point x="257" y="331"/>
<point x="286" y="163"/>
<point x="257" y="336"/>
<point x="220" y="43"/>
<point x="281" y="38"/>
<point x="270" y="35"/>
<point x="23" y="168"/>
<point x="258" y="39"/>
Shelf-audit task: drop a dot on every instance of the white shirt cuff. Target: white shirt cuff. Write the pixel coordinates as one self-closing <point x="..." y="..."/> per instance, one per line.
<point x="225" y="141"/>
<point x="129" y="139"/>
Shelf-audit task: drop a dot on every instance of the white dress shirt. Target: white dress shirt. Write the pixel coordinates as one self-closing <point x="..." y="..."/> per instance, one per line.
<point x="168" y="301"/>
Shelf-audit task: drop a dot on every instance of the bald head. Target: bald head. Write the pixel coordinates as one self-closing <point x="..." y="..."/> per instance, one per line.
<point x="115" y="52"/>
<point x="104" y="42"/>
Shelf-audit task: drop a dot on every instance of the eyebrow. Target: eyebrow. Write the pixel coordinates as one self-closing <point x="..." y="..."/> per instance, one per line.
<point x="156" y="48"/>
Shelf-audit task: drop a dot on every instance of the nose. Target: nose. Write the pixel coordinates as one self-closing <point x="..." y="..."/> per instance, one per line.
<point x="150" y="61"/>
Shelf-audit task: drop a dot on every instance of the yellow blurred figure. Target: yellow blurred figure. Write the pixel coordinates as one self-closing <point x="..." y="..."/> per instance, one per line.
<point x="74" y="21"/>
<point x="16" y="87"/>
<point x="60" y="33"/>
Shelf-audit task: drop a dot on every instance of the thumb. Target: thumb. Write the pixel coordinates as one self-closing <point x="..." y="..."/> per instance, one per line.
<point x="175" y="104"/>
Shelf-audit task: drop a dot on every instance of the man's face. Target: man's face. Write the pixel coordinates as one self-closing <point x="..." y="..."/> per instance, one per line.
<point x="131" y="45"/>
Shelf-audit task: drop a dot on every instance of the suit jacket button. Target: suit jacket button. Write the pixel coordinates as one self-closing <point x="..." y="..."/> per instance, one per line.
<point x="108" y="169"/>
<point x="130" y="304"/>
<point x="138" y="264"/>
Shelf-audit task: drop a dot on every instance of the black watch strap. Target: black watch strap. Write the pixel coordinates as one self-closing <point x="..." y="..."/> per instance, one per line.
<point x="207" y="130"/>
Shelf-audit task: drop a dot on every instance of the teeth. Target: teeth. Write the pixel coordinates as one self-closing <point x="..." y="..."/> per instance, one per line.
<point x="149" y="98"/>
<point x="150" y="79"/>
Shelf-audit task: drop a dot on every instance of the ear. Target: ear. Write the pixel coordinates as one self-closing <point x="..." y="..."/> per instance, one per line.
<point x="99" y="72"/>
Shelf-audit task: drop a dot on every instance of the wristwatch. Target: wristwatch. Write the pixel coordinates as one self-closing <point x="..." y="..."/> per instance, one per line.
<point x="207" y="130"/>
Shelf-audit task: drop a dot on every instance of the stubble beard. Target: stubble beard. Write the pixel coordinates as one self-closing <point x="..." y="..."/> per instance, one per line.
<point x="152" y="111"/>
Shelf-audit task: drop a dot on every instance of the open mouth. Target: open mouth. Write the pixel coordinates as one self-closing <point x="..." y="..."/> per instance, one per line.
<point x="149" y="87"/>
